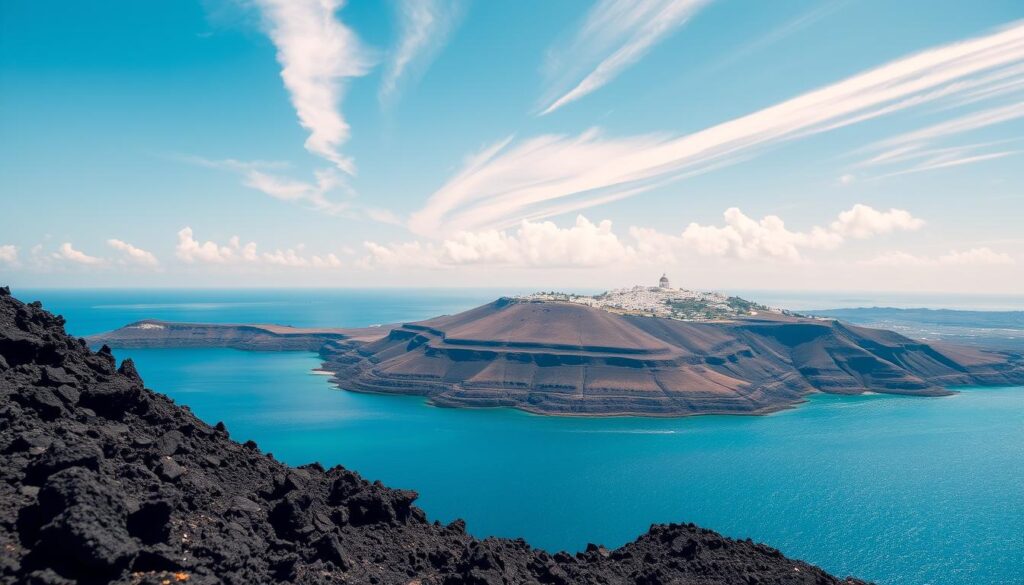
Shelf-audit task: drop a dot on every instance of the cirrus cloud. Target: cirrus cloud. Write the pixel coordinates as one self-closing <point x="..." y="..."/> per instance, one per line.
<point x="544" y="176"/>
<point x="614" y="35"/>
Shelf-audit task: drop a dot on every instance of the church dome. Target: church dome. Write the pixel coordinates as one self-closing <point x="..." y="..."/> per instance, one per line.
<point x="663" y="282"/>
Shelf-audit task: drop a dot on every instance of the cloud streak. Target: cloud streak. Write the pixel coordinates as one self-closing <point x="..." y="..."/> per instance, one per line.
<point x="614" y="35"/>
<point x="317" y="53"/>
<point x="425" y="26"/>
<point x="918" y="148"/>
<point x="319" y="194"/>
<point x="543" y="176"/>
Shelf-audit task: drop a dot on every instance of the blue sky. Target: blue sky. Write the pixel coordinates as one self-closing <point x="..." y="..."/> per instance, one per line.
<point x="848" y="145"/>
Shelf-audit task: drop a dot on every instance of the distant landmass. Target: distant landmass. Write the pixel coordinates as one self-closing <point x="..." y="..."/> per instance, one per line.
<point x="627" y="352"/>
<point x="990" y="329"/>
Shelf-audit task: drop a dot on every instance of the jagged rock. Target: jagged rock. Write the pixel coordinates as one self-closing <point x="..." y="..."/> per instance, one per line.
<point x="110" y="482"/>
<point x="84" y="524"/>
<point x="83" y="455"/>
<point x="169" y="469"/>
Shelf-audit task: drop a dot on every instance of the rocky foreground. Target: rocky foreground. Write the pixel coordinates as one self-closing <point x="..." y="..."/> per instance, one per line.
<point x="102" y="480"/>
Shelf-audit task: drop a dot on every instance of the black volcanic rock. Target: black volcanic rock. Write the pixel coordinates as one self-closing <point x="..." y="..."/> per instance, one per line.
<point x="115" y="483"/>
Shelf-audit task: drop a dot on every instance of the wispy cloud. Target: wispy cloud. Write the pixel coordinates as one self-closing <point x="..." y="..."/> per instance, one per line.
<point x="134" y="255"/>
<point x="542" y="244"/>
<point x="321" y="194"/>
<point x="794" y="26"/>
<point x="614" y="35"/>
<point x="547" y="175"/>
<point x="317" y="53"/>
<point x="424" y="26"/>
<point x="917" y="150"/>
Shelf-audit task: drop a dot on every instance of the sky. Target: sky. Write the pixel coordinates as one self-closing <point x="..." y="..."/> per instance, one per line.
<point x="846" y="145"/>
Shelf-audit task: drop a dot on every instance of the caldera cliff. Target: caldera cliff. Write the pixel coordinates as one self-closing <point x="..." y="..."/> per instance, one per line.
<point x="568" y="359"/>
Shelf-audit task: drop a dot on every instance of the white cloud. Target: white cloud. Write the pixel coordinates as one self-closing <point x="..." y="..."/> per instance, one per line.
<point x="588" y="244"/>
<point x="193" y="251"/>
<point x="425" y="26"/>
<point x="614" y="35"/>
<point x="134" y="255"/>
<point x="9" y="255"/>
<point x="983" y="256"/>
<point x="534" y="244"/>
<point x="547" y="175"/>
<point x="67" y="252"/>
<point x="317" y="54"/>
<point x="292" y="258"/>
<point x="745" y="238"/>
<point x="862" y="221"/>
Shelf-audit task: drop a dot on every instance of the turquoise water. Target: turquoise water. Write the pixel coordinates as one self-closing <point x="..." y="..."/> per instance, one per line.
<point x="896" y="489"/>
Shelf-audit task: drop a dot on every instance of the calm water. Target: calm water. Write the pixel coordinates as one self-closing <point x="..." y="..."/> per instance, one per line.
<point x="899" y="490"/>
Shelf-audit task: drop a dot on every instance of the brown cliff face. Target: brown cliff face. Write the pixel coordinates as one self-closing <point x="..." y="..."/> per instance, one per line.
<point x="567" y="359"/>
<point x="155" y="333"/>
<point x="104" y="481"/>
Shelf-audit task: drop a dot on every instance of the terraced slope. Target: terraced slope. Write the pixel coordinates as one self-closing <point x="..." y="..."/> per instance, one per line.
<point x="568" y="359"/>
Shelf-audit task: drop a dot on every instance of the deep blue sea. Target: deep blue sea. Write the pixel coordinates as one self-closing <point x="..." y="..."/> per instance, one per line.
<point x="900" y="490"/>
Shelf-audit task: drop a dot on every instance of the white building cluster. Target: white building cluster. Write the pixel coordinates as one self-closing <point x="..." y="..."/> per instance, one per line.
<point x="660" y="301"/>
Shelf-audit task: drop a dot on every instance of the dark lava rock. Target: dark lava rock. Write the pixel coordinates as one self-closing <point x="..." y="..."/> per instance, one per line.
<point x="104" y="481"/>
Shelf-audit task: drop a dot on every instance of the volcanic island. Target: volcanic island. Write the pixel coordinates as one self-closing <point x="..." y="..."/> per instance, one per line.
<point x="640" y="351"/>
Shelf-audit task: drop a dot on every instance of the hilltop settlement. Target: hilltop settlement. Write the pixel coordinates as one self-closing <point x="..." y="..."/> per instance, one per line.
<point x="660" y="301"/>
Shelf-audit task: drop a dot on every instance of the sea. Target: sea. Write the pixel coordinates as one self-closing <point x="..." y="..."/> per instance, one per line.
<point x="898" y="490"/>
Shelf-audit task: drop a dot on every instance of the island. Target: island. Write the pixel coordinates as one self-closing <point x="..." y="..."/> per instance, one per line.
<point x="641" y="351"/>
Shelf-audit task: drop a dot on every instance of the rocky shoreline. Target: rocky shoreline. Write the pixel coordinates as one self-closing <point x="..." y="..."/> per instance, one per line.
<point x="104" y="481"/>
